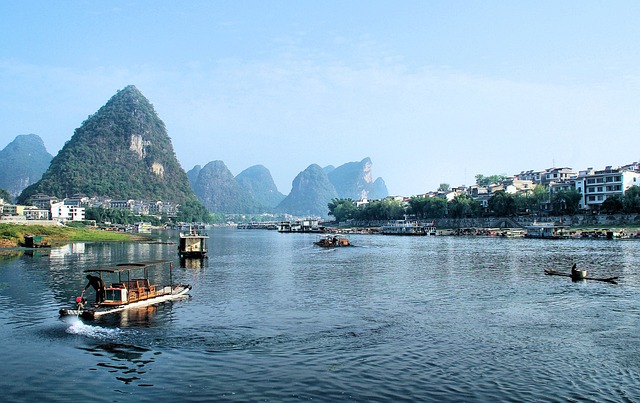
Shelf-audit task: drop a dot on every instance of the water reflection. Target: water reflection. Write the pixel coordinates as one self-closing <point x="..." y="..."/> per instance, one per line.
<point x="116" y="353"/>
<point x="128" y="362"/>
<point x="272" y="318"/>
<point x="9" y="254"/>
<point x="135" y="317"/>
<point x="191" y="263"/>
<point x="75" y="248"/>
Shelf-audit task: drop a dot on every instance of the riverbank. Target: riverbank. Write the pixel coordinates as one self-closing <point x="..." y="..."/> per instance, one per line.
<point x="12" y="235"/>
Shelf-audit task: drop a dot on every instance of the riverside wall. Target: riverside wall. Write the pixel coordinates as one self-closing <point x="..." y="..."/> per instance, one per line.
<point x="591" y="220"/>
<point x="587" y="220"/>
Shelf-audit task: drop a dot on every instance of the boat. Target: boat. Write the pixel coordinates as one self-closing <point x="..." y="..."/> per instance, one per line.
<point x="36" y="241"/>
<point x="546" y="231"/>
<point x="193" y="244"/>
<point x="132" y="289"/>
<point x="307" y="225"/>
<point x="143" y="228"/>
<point x="332" y="241"/>
<point x="270" y="225"/>
<point x="577" y="275"/>
<point x="404" y="227"/>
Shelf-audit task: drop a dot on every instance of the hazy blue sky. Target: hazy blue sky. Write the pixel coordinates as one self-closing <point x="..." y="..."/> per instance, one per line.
<point x="431" y="91"/>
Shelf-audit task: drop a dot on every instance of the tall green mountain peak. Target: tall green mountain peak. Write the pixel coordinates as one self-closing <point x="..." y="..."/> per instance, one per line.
<point x="121" y="151"/>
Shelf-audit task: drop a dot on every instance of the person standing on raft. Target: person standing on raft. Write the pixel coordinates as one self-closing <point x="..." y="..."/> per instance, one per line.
<point x="98" y="284"/>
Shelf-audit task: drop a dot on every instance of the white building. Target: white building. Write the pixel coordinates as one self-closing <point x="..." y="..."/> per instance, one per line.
<point x="596" y="186"/>
<point x="555" y="175"/>
<point x="34" y="213"/>
<point x="546" y="177"/>
<point x="65" y="212"/>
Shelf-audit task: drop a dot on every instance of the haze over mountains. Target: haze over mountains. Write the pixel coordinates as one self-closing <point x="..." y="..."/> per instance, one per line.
<point x="22" y="163"/>
<point x="123" y="151"/>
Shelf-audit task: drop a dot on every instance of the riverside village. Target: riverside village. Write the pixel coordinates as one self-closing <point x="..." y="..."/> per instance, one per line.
<point x="552" y="203"/>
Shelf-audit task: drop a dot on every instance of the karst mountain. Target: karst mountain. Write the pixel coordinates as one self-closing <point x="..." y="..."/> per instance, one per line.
<point x="22" y="163"/>
<point x="217" y="189"/>
<point x="253" y="190"/>
<point x="121" y="151"/>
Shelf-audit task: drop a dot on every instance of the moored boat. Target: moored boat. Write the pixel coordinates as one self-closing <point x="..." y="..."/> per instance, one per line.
<point x="36" y="241"/>
<point x="404" y="227"/>
<point x="131" y="289"/>
<point x="546" y="231"/>
<point x="143" y="228"/>
<point x="305" y="225"/>
<point x="193" y="244"/>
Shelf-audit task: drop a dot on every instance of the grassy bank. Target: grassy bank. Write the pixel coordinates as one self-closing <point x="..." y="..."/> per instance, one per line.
<point x="12" y="235"/>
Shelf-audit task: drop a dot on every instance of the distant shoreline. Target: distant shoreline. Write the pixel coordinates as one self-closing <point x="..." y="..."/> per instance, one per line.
<point x="12" y="235"/>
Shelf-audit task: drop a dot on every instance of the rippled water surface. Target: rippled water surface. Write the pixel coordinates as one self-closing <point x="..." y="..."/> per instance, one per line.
<point x="273" y="318"/>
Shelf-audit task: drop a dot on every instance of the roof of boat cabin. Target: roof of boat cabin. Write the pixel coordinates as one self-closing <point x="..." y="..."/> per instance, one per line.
<point x="128" y="266"/>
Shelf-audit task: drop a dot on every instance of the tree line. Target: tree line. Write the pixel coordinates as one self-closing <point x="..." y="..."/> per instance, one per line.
<point x="189" y="212"/>
<point x="501" y="204"/>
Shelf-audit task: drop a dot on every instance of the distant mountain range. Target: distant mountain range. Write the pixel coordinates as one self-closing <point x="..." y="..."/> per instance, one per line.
<point x="123" y="151"/>
<point x="253" y="190"/>
<point x="219" y="191"/>
<point x="22" y="163"/>
<point x="311" y="191"/>
<point x="354" y="180"/>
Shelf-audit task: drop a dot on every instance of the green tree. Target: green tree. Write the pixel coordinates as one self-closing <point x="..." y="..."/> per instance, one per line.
<point x="485" y="181"/>
<point x="193" y="211"/>
<point x="383" y="210"/>
<point x="566" y="201"/>
<point x="416" y="206"/>
<point x="427" y="207"/>
<point x="613" y="204"/>
<point x="342" y="209"/>
<point x="538" y="198"/>
<point x="502" y="204"/>
<point x="463" y="206"/>
<point x="631" y="200"/>
<point x="436" y="207"/>
<point x="444" y="187"/>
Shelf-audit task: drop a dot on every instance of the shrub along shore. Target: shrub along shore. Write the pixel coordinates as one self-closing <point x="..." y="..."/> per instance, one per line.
<point x="12" y="235"/>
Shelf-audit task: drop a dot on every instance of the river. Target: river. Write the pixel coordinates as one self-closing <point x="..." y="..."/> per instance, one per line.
<point x="273" y="318"/>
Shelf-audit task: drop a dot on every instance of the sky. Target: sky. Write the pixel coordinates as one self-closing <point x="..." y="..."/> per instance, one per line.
<point x="432" y="91"/>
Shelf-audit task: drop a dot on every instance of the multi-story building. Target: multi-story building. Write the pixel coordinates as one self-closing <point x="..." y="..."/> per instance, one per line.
<point x="514" y="186"/>
<point x="555" y="175"/>
<point x="67" y="212"/>
<point x="43" y="201"/>
<point x="546" y="177"/>
<point x="34" y="213"/>
<point x="596" y="186"/>
<point x="9" y="210"/>
<point x="533" y="176"/>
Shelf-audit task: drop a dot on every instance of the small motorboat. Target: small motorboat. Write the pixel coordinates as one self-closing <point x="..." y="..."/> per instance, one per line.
<point x="332" y="241"/>
<point x="132" y="289"/>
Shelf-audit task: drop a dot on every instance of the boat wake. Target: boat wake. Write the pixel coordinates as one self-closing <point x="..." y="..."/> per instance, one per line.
<point x="80" y="328"/>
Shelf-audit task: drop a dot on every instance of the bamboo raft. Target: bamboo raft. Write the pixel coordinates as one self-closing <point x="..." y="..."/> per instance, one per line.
<point x="551" y="272"/>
